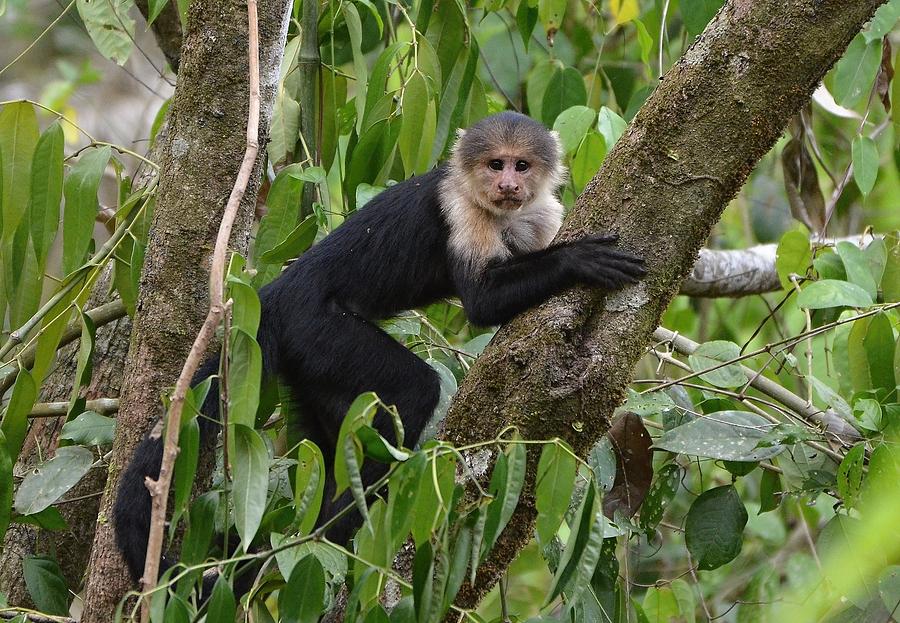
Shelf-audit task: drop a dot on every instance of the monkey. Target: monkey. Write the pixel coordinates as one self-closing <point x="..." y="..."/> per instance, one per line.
<point x="480" y="227"/>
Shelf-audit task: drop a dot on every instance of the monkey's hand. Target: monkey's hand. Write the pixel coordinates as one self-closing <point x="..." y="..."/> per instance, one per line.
<point x="596" y="262"/>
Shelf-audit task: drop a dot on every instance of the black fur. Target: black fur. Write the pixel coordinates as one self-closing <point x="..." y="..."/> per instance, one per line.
<point x="317" y="331"/>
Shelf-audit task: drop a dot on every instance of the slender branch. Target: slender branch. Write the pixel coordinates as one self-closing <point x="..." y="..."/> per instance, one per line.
<point x="159" y="489"/>
<point x="831" y="421"/>
<point x="56" y="409"/>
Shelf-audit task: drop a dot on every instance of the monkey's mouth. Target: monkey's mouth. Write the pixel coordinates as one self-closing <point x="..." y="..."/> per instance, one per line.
<point x="508" y="202"/>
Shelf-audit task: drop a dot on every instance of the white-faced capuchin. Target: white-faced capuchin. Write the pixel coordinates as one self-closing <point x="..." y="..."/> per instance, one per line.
<point x="478" y="227"/>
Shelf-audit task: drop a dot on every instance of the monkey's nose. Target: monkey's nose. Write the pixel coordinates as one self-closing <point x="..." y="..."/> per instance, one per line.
<point x="509" y="189"/>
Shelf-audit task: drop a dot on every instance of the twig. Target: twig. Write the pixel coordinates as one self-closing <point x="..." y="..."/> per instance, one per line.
<point x="56" y="409"/>
<point x="159" y="488"/>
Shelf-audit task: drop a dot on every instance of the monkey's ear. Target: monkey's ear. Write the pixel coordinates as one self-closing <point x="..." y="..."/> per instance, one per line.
<point x="558" y="142"/>
<point x="460" y="132"/>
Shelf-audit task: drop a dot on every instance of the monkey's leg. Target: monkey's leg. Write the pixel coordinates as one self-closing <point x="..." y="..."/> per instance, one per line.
<point x="343" y="357"/>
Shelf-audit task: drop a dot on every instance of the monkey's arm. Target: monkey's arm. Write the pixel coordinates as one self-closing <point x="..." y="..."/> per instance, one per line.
<point x="503" y="289"/>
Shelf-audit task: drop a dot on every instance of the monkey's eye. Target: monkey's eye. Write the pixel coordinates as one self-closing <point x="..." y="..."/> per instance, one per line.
<point x="496" y="165"/>
<point x="521" y="165"/>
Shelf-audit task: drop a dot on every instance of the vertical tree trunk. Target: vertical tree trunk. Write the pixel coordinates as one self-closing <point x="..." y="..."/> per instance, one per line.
<point x="207" y="125"/>
<point x="560" y="370"/>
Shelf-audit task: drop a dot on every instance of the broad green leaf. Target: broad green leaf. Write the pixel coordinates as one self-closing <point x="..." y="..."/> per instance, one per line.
<point x="423" y="571"/>
<point x="15" y="417"/>
<point x="660" y="605"/>
<point x="46" y="190"/>
<point x="250" y="470"/>
<point x="714" y="527"/>
<point x="587" y="159"/>
<point x="697" y="13"/>
<point x="360" y="67"/>
<point x="579" y="559"/>
<point x="185" y="467"/>
<point x="434" y="503"/>
<point x="6" y="485"/>
<point x="565" y="89"/>
<point x="715" y="353"/>
<point x="80" y="189"/>
<point x="865" y="163"/>
<point x="48" y="519"/>
<point x="553" y="488"/>
<point x="832" y="293"/>
<point x="611" y="126"/>
<point x="302" y="599"/>
<point x="850" y="475"/>
<point x="857" y="359"/>
<point x="244" y="377"/>
<point x="309" y="485"/>
<point x="285" y="130"/>
<point x="200" y="527"/>
<point x="793" y="256"/>
<point x="156" y="7"/>
<point x="222" y="605"/>
<point x="645" y="41"/>
<point x="536" y="86"/>
<point x="551" y="14"/>
<point x="526" y="20"/>
<point x="506" y="484"/>
<point x="855" y="72"/>
<point x="770" y="491"/>
<point x="882" y="23"/>
<point x="879" y="345"/>
<point x="857" y="267"/>
<point x="90" y="429"/>
<point x="623" y="11"/>
<point x="361" y="411"/>
<point x="723" y="435"/>
<point x="50" y="480"/>
<point x="660" y="495"/>
<point x="109" y="26"/>
<point x="573" y="124"/>
<point x="416" y="98"/>
<point x="18" y="138"/>
<point x="52" y="329"/>
<point x="46" y="585"/>
<point x="383" y="68"/>
<point x="296" y="242"/>
<point x="403" y="495"/>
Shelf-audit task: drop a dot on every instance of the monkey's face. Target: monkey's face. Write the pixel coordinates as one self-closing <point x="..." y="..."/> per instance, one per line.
<point x="505" y="182"/>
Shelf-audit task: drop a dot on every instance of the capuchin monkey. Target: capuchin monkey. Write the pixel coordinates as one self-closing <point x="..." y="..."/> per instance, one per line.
<point x="479" y="227"/>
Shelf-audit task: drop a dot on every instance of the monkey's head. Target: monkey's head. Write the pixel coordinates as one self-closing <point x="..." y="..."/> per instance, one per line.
<point x="506" y="160"/>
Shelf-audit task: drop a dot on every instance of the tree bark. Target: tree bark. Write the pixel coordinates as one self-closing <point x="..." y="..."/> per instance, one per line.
<point x="561" y="369"/>
<point x="207" y="139"/>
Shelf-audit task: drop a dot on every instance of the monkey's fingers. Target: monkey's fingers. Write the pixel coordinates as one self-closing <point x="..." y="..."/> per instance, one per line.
<point x="628" y="267"/>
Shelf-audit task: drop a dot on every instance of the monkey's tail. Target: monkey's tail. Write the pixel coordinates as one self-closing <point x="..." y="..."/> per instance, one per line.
<point x="133" y="507"/>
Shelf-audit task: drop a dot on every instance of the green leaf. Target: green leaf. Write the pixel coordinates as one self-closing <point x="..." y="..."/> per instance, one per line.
<point x="833" y="293"/>
<point x="15" y="418"/>
<point x="879" y="345"/>
<point x="80" y="190"/>
<point x="90" y="429"/>
<point x="416" y="98"/>
<point x="711" y="354"/>
<point x="109" y="26"/>
<point x="6" y="485"/>
<point x="793" y="256"/>
<point x="309" y="485"/>
<point x="551" y="13"/>
<point x="48" y="519"/>
<point x="553" y="488"/>
<point x="50" y="480"/>
<point x="857" y="267"/>
<point x="250" y="469"/>
<point x="298" y="241"/>
<point x="611" y="126"/>
<point x="697" y="13"/>
<point x="579" y="559"/>
<point x="156" y="7"/>
<point x="890" y="279"/>
<point x="538" y="81"/>
<point x="434" y="503"/>
<point x="587" y="160"/>
<point x="185" y="467"/>
<point x="360" y="67"/>
<point x="285" y="128"/>
<point x="865" y="163"/>
<point x="506" y="485"/>
<point x="244" y="378"/>
<point x="526" y="20"/>
<point x="46" y="585"/>
<point x="423" y="570"/>
<point x="645" y="41"/>
<point x="84" y="366"/>
<point x="881" y="24"/>
<point x="850" y="475"/>
<point x="403" y="496"/>
<point x="855" y="72"/>
<point x="46" y="190"/>
<point x="660" y="495"/>
<point x="222" y="605"/>
<point x="723" y="435"/>
<point x="573" y="124"/>
<point x="200" y="526"/>
<point x="565" y="89"/>
<point x="660" y="605"/>
<point x="770" y="491"/>
<point x="837" y="541"/>
<point x="18" y="137"/>
<point x="302" y="599"/>
<point x="889" y="588"/>
<point x="714" y="527"/>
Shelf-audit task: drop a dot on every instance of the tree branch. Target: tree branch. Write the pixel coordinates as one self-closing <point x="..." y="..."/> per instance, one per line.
<point x="561" y="369"/>
<point x="167" y="30"/>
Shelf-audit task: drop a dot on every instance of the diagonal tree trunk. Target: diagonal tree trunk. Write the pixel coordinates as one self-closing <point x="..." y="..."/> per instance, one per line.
<point x="562" y="368"/>
<point x="206" y="128"/>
